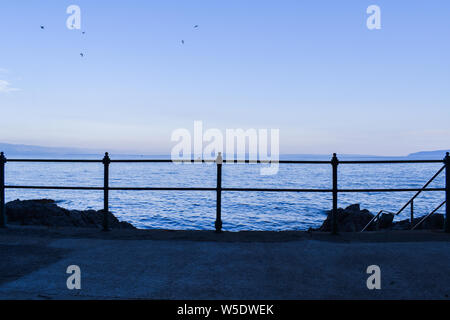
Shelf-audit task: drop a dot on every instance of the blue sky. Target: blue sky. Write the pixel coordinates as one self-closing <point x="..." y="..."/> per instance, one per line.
<point x="309" y="68"/>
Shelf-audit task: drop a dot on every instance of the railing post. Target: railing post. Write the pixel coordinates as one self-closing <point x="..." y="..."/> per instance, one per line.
<point x="412" y="214"/>
<point x="2" y="191"/>
<point x="447" y="192"/>
<point x="106" y="162"/>
<point x="218" y="223"/>
<point x="334" y="164"/>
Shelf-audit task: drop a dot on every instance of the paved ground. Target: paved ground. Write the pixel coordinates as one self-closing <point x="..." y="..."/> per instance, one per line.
<point x="204" y="265"/>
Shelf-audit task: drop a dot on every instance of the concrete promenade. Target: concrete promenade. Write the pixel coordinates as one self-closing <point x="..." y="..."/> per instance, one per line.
<point x="139" y="264"/>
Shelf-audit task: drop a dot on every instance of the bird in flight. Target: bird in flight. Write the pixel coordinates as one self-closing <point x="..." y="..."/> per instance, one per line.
<point x="82" y="55"/>
<point x="195" y="27"/>
<point x="83" y="32"/>
<point x="42" y="27"/>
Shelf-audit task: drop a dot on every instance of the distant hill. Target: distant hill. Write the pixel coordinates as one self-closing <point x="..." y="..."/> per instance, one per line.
<point x="31" y="151"/>
<point x="431" y="155"/>
<point x="24" y="150"/>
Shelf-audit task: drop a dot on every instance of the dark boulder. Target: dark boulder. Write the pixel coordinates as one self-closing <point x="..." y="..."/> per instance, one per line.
<point x="385" y="221"/>
<point x="434" y="222"/>
<point x="46" y="212"/>
<point x="401" y="225"/>
<point x="350" y="219"/>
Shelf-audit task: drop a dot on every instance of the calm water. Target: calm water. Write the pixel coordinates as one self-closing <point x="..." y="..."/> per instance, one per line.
<point x="241" y="210"/>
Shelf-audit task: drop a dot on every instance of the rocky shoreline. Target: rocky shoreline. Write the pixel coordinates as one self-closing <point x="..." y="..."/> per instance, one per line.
<point x="46" y="212"/>
<point x="353" y="219"/>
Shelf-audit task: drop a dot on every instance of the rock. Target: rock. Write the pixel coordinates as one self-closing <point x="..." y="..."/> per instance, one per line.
<point x="46" y="212"/>
<point x="353" y="208"/>
<point x="350" y="219"/>
<point x="434" y="222"/>
<point x="401" y="225"/>
<point x="385" y="221"/>
<point x="353" y="219"/>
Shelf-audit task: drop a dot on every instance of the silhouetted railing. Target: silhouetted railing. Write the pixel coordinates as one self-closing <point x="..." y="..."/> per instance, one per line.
<point x="411" y="204"/>
<point x="427" y="216"/>
<point x="334" y="162"/>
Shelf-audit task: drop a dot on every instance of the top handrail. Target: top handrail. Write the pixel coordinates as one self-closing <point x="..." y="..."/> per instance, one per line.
<point x="387" y="161"/>
<point x="227" y="161"/>
<point x="55" y="160"/>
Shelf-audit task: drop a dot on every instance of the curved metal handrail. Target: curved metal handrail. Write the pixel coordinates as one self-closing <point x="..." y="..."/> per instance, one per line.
<point x="419" y="192"/>
<point x="410" y="202"/>
<point x="373" y="219"/>
<point x="428" y="215"/>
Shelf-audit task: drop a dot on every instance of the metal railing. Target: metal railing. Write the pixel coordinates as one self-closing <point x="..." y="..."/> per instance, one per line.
<point x="334" y="162"/>
<point x="411" y="204"/>
<point x="427" y="216"/>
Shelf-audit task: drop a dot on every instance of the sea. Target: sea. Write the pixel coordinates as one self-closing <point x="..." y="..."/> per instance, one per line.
<point x="196" y="210"/>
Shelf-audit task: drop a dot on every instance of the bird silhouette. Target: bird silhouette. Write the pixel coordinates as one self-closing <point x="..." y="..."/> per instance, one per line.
<point x="182" y="41"/>
<point x="83" y="32"/>
<point x="82" y="55"/>
<point x="196" y="26"/>
<point x="42" y="27"/>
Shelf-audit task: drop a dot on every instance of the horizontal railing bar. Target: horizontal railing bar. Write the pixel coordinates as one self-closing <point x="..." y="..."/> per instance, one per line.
<point x="173" y="161"/>
<point x="223" y="189"/>
<point x="166" y="189"/>
<point x="279" y="161"/>
<point x="111" y="188"/>
<point x="389" y="161"/>
<point x="160" y="160"/>
<point x="274" y="190"/>
<point x="159" y="189"/>
<point x="226" y="161"/>
<point x="54" y="188"/>
<point x="389" y="190"/>
<point x="54" y="160"/>
<point x="327" y="190"/>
